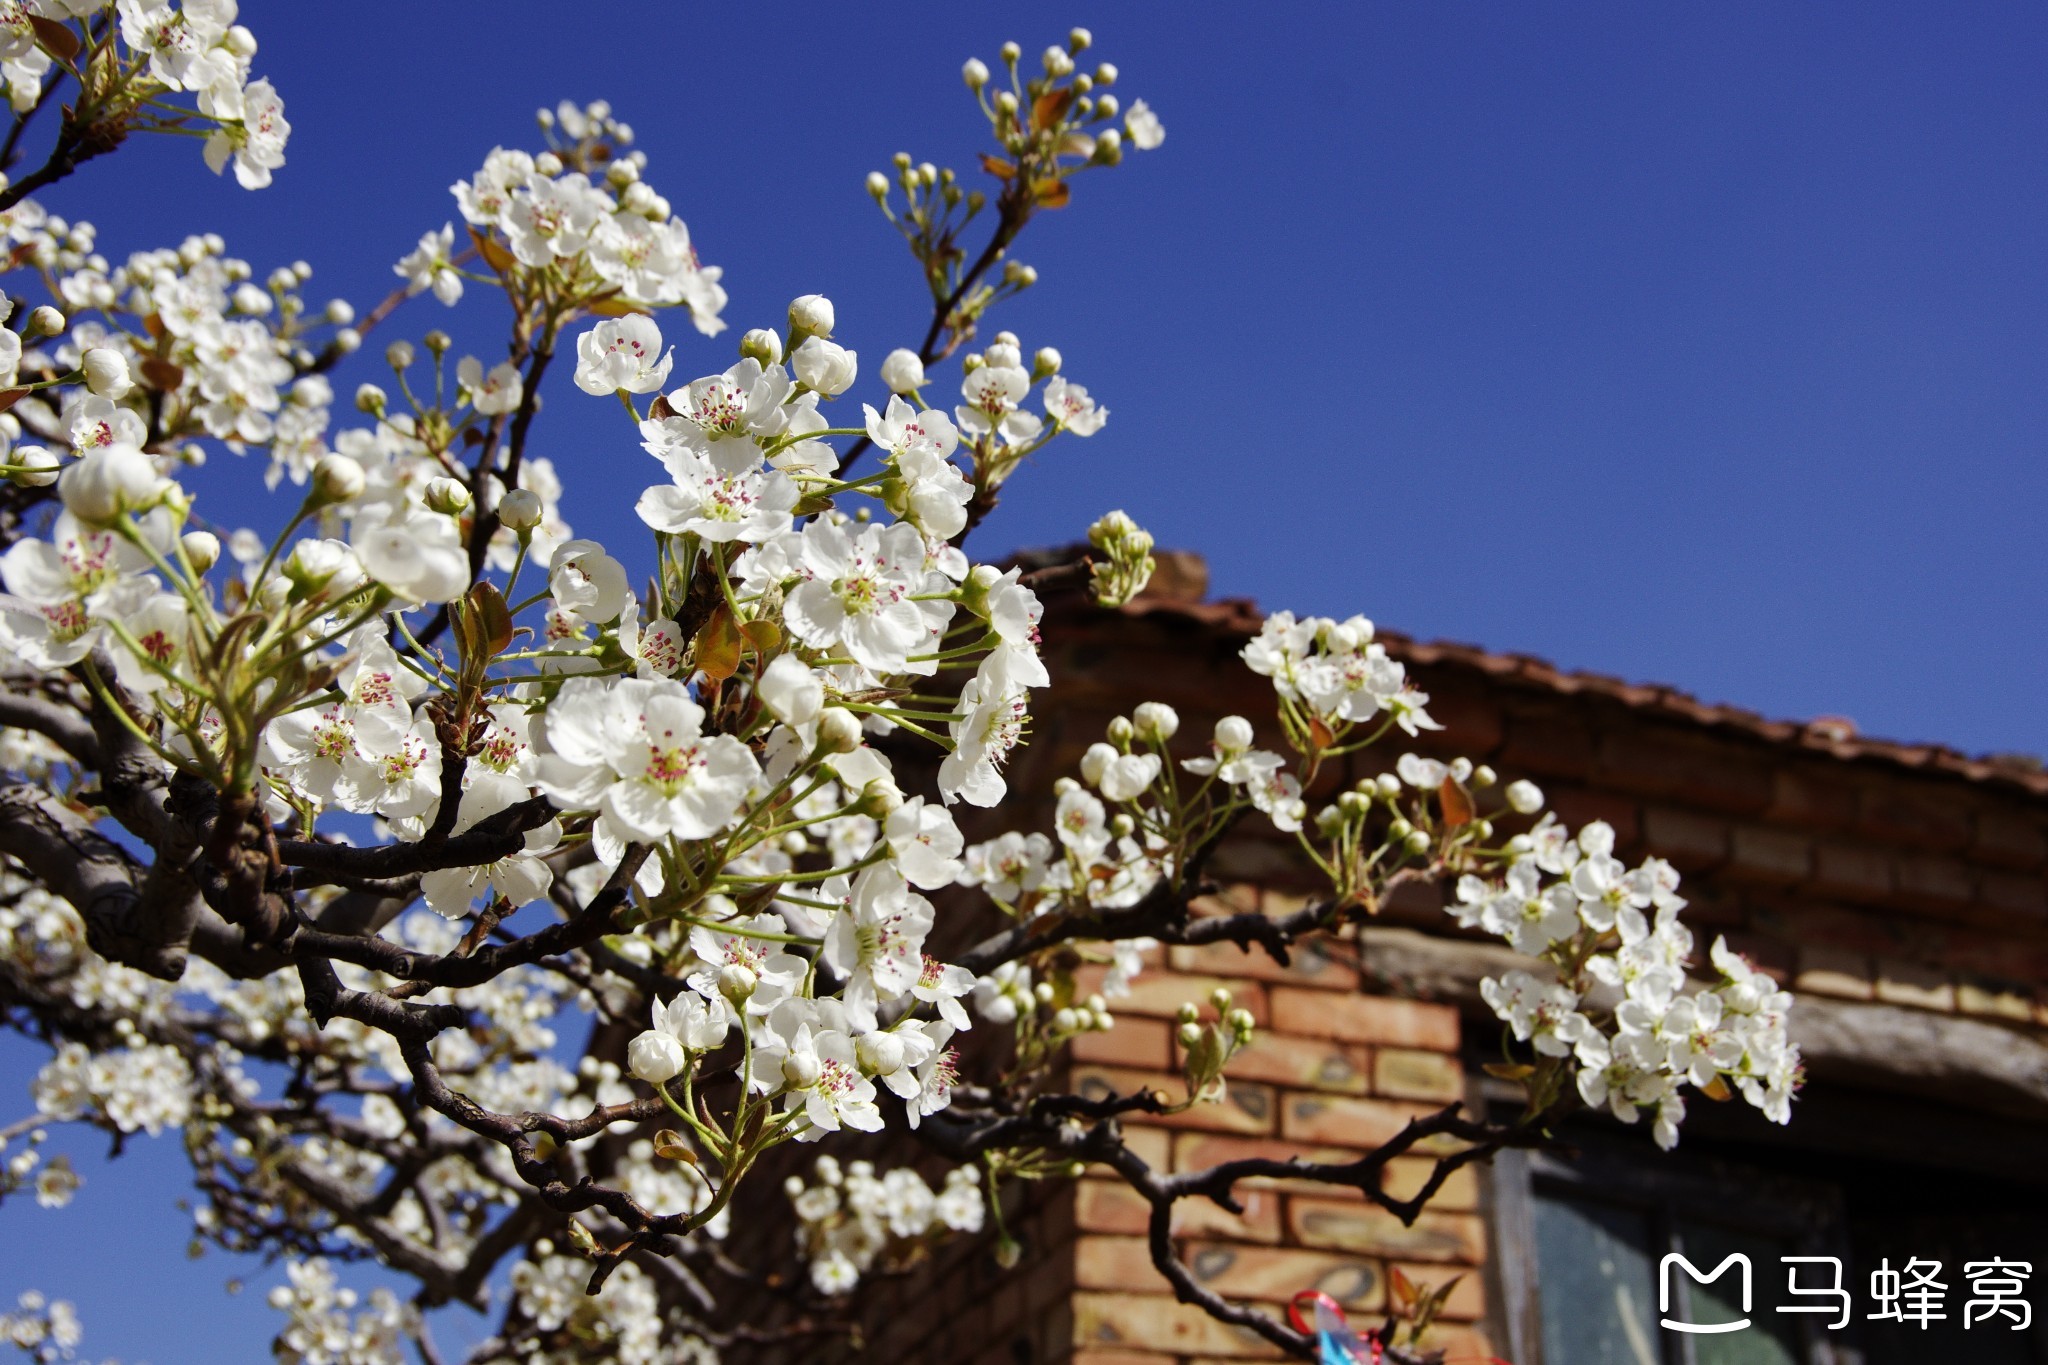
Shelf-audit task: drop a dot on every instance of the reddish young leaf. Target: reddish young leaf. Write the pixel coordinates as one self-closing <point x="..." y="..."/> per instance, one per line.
<point x="494" y="253"/>
<point x="56" y="39"/>
<point x="1403" y="1288"/>
<point x="10" y="397"/>
<point x="1051" y="194"/>
<point x="718" y="646"/>
<point x="1000" y="169"/>
<point x="1048" y="109"/>
<point x="493" y="617"/>
<point x="1457" y="805"/>
<point x="613" y="306"/>
<point x="161" y="374"/>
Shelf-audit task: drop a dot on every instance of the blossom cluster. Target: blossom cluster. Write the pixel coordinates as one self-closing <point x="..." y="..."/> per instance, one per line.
<point x="608" y="237"/>
<point x="328" y="1325"/>
<point x="135" y="52"/>
<point x="849" y="1220"/>
<point x="1614" y="995"/>
<point x="46" y="1330"/>
<point x="620" y="1325"/>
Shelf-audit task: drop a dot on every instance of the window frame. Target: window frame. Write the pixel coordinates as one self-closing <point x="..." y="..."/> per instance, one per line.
<point x="1670" y="1188"/>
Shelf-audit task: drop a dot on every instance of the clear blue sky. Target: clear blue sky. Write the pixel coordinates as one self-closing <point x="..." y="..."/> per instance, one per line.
<point x="1702" y="345"/>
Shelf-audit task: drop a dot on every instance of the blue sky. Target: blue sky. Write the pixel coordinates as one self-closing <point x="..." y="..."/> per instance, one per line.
<point x="1702" y="345"/>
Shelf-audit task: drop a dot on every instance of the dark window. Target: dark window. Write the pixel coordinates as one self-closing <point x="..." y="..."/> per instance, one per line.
<point x="1581" y="1234"/>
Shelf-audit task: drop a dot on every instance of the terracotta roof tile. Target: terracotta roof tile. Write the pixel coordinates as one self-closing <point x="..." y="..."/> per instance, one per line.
<point x="1828" y="735"/>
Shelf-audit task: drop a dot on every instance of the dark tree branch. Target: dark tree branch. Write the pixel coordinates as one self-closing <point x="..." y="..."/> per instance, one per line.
<point x="501" y="836"/>
<point x="62" y="725"/>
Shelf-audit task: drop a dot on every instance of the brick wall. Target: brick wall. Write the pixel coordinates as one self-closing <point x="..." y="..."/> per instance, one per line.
<point x="1330" y="1075"/>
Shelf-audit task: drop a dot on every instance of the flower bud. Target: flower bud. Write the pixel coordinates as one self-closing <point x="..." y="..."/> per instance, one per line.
<point x="879" y="1054"/>
<point x="450" y="497"/>
<point x="547" y="163"/>
<point x="1095" y="761"/>
<point x="762" y="345"/>
<point x="1416" y="842"/>
<point x="348" y="341"/>
<point x="43" y="322"/>
<point x="879" y="797"/>
<point x="106" y="372"/>
<point x="838" y="731"/>
<point x="1190" y="1034"/>
<point x="1155" y="721"/>
<point x="792" y="691"/>
<point x="1482" y="830"/>
<point x="315" y="565"/>
<point x="1046" y="362"/>
<point x="110" y="480"/>
<point x="1483" y="777"/>
<point x="811" y="315"/>
<point x="202" y="549"/>
<point x="38" y="467"/>
<point x="975" y="73"/>
<point x="240" y="41"/>
<point x="1106" y="106"/>
<point x="1121" y="825"/>
<point x="1065" y="1020"/>
<point x="1524" y="797"/>
<point x="1043" y="992"/>
<point x="400" y="355"/>
<point x="1120" y="732"/>
<point x="801" y="1072"/>
<point x="337" y="478"/>
<point x="902" y="371"/>
<point x="825" y="366"/>
<point x="878" y="185"/>
<point x="1079" y="39"/>
<point x="1220" y="998"/>
<point x="1233" y="734"/>
<point x="1057" y="62"/>
<point x="520" y="510"/>
<point x="371" y="399"/>
<point x="1010" y="52"/>
<point x="340" y="312"/>
<point x="1188" y="1013"/>
<point x="736" y="982"/>
<point x="1387" y="785"/>
<point x="1006" y="102"/>
<point x="1400" y="829"/>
